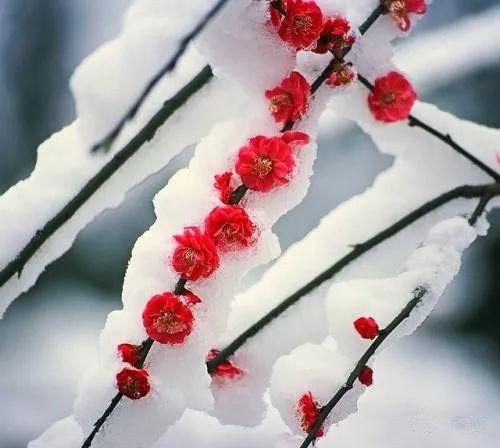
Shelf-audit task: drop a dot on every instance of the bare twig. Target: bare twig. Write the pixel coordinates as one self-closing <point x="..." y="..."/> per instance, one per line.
<point x="167" y="68"/>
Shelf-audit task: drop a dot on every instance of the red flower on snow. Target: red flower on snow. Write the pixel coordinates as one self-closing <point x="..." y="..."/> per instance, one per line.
<point x="399" y="10"/>
<point x="229" y="227"/>
<point x="342" y="76"/>
<point x="190" y="297"/>
<point x="166" y="319"/>
<point x="301" y="24"/>
<point x="266" y="163"/>
<point x="335" y="36"/>
<point x="392" y="98"/>
<point x="367" y="327"/>
<point x="133" y="383"/>
<point x="225" y="369"/>
<point x="129" y="353"/>
<point x="223" y="184"/>
<point x="195" y="256"/>
<point x="308" y="410"/>
<point x="366" y="376"/>
<point x="290" y="99"/>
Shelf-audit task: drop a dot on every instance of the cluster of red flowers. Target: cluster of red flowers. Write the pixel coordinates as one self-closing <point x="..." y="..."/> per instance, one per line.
<point x="263" y="164"/>
<point x="301" y="25"/>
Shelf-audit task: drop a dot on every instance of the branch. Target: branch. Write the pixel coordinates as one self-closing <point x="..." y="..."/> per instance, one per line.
<point x="418" y="294"/>
<point x="167" y="68"/>
<point x="415" y="122"/>
<point x="108" y="170"/>
<point x="235" y="198"/>
<point x="465" y="191"/>
<point x="329" y="69"/>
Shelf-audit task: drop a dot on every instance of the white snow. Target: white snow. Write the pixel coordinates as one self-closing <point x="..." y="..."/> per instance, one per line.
<point x="423" y="167"/>
<point x="104" y="85"/>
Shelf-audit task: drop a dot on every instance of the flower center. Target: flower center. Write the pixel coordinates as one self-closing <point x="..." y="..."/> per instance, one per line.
<point x="169" y="323"/>
<point x="228" y="233"/>
<point x="278" y="101"/>
<point x="302" y="24"/>
<point x="262" y="166"/>
<point x="397" y="9"/>
<point x="131" y="388"/>
<point x="389" y="98"/>
<point x="190" y="257"/>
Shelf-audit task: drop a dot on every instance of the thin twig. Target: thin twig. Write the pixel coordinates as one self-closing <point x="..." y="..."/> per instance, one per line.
<point x="445" y="138"/>
<point x="417" y="294"/>
<point x="108" y="170"/>
<point x="465" y="191"/>
<point x="167" y="68"/>
<point x="481" y="207"/>
<point x="329" y="69"/>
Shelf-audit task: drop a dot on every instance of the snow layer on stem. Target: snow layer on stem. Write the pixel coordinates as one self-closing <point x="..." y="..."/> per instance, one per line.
<point x="423" y="168"/>
<point x="371" y="55"/>
<point x="104" y="86"/>
<point x="178" y="373"/>
<point x="321" y="370"/>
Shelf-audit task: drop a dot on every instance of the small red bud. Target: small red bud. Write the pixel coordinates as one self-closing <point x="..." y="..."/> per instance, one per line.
<point x="129" y="353"/>
<point x="133" y="383"/>
<point x="367" y="327"/>
<point x="366" y="376"/>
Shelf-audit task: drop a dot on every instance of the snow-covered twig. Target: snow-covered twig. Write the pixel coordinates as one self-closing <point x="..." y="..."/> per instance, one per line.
<point x="17" y="265"/>
<point x="445" y="138"/>
<point x="465" y="191"/>
<point x="235" y="198"/>
<point x="167" y="68"/>
<point x="383" y="334"/>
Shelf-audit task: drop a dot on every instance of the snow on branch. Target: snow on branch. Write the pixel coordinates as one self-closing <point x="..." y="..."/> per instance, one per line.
<point x="366" y="316"/>
<point x="334" y="243"/>
<point x="68" y="188"/>
<point x="245" y="174"/>
<point x="169" y="66"/>
<point x="286" y="164"/>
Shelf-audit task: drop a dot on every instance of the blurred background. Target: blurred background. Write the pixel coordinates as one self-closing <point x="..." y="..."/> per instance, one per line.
<point x="49" y="335"/>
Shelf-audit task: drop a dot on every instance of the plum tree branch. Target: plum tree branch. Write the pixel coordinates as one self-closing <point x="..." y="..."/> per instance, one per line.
<point x="418" y="295"/>
<point x="235" y="198"/>
<point x="445" y="138"/>
<point x="92" y="186"/>
<point x="167" y="68"/>
<point x="465" y="191"/>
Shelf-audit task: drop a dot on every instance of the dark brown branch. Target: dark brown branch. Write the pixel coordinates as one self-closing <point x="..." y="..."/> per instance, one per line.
<point x="418" y="294"/>
<point x="108" y="170"/>
<point x="466" y="191"/>
<point x="98" y="424"/>
<point x="167" y="68"/>
<point x="481" y="207"/>
<point x="330" y="68"/>
<point x="445" y="138"/>
<point x="235" y="198"/>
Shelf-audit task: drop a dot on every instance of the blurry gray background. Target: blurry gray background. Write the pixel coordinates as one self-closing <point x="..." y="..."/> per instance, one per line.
<point x="49" y="334"/>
